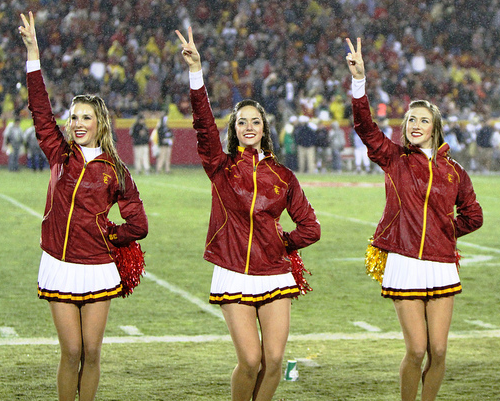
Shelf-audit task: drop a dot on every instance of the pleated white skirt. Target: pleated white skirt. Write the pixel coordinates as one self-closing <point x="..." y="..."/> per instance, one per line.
<point x="409" y="278"/>
<point x="77" y="283"/>
<point x="232" y="287"/>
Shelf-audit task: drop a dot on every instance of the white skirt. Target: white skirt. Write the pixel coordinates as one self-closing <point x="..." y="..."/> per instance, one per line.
<point x="232" y="287"/>
<point x="77" y="283"/>
<point x="409" y="278"/>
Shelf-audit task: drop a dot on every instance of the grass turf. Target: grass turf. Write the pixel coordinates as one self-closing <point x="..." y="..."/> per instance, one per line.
<point x="178" y="205"/>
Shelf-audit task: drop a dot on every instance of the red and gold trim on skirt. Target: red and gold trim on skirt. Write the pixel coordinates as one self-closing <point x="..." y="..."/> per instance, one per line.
<point x="423" y="294"/>
<point x="232" y="287"/>
<point x="254" y="300"/>
<point x="89" y="297"/>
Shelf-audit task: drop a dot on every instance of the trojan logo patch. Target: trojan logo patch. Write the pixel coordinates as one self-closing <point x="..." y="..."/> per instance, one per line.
<point x="105" y="178"/>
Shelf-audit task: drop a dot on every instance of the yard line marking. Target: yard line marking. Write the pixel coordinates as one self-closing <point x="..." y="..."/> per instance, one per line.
<point x="480" y="323"/>
<point x="131" y="330"/>
<point x="390" y="335"/>
<point x="203" y="190"/>
<point x="21" y="206"/>
<point x="352" y="219"/>
<point x="475" y="259"/>
<point x="482" y="248"/>
<point x="366" y="326"/>
<point x="6" y="331"/>
<point x="186" y="295"/>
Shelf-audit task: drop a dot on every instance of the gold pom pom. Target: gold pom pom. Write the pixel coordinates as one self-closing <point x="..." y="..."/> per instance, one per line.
<point x="375" y="260"/>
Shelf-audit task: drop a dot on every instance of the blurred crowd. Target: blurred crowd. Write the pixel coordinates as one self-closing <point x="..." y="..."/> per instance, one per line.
<point x="287" y="54"/>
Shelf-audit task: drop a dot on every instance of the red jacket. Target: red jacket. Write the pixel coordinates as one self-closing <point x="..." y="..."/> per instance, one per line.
<point x="419" y="219"/>
<point x="80" y="194"/>
<point x="248" y="197"/>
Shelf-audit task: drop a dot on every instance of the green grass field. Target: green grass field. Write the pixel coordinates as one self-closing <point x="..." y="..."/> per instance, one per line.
<point x="165" y="342"/>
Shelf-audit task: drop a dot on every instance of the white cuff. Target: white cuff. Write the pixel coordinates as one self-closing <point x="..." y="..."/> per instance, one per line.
<point x="196" y="79"/>
<point x="33" y="65"/>
<point x="358" y="87"/>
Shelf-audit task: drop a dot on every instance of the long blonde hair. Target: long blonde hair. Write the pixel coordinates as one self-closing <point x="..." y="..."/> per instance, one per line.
<point x="437" y="125"/>
<point x="104" y="135"/>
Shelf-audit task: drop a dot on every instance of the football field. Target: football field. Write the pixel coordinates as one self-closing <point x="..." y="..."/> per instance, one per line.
<point x="165" y="342"/>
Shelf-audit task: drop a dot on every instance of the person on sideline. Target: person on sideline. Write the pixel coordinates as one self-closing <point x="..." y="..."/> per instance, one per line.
<point x="418" y="230"/>
<point x="13" y="141"/>
<point x="36" y="158"/>
<point x="140" y="137"/>
<point x="163" y="139"/>
<point x="77" y="274"/>
<point x="252" y="278"/>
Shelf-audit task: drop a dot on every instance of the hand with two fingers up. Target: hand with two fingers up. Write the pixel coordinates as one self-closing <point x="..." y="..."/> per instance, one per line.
<point x="355" y="60"/>
<point x="28" y="34"/>
<point x="189" y="51"/>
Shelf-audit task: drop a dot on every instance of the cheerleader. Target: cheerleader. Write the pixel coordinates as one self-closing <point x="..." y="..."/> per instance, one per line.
<point x="77" y="273"/>
<point x="252" y="279"/>
<point x="418" y="229"/>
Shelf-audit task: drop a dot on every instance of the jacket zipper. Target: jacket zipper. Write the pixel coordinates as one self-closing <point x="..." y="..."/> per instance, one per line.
<point x="247" y="264"/>
<point x="71" y="212"/>
<point x="424" y="225"/>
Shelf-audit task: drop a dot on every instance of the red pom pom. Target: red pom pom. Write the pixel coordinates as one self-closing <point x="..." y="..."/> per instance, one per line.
<point x="298" y="271"/>
<point x="457" y="258"/>
<point x="130" y="263"/>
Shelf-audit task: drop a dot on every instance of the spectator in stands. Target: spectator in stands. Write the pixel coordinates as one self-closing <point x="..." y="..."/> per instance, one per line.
<point x="440" y="64"/>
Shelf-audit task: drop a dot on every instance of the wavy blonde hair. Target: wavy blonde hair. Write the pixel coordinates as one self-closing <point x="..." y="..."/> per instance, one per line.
<point x="104" y="135"/>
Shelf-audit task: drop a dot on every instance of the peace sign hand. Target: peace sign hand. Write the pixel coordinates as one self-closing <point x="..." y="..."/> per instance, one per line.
<point x="189" y="51"/>
<point x="28" y="33"/>
<point x="355" y="60"/>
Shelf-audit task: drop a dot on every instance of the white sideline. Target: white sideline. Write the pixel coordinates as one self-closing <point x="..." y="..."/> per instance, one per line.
<point x="391" y="335"/>
<point x="186" y="295"/>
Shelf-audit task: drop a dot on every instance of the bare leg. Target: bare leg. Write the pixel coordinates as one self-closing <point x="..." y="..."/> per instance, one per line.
<point x="274" y="321"/>
<point x="439" y="313"/>
<point x="94" y="319"/>
<point x="66" y="318"/>
<point x="411" y="314"/>
<point x="241" y="321"/>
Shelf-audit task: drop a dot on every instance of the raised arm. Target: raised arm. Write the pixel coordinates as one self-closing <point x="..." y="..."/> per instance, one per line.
<point x="379" y="146"/>
<point x="28" y="33"/>
<point x="209" y="145"/>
